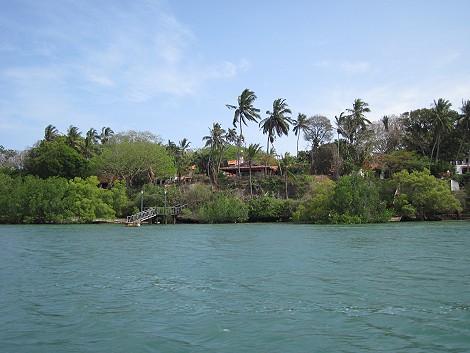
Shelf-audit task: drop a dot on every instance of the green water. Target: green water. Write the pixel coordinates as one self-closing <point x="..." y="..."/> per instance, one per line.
<point x="235" y="288"/>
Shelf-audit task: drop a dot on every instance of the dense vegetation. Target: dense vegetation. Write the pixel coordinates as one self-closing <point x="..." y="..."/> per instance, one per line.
<point x="372" y="171"/>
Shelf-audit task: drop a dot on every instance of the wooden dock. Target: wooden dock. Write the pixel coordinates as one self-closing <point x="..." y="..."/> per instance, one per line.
<point x="153" y="212"/>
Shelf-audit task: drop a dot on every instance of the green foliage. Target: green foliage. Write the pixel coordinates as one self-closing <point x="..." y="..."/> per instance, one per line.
<point x="87" y="202"/>
<point x="55" y="158"/>
<point x="270" y="186"/>
<point x="356" y="200"/>
<point x="421" y="195"/>
<point x="316" y="205"/>
<point x="403" y="160"/>
<point x="269" y="209"/>
<point x="132" y="160"/>
<point x="223" y="209"/>
<point x="31" y="199"/>
<point x="195" y="195"/>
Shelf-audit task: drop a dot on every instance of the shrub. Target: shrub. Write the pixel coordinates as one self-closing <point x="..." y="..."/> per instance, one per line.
<point x="222" y="209"/>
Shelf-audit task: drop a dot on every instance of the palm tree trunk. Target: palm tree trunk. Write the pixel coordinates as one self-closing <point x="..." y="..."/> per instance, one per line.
<point x="267" y="156"/>
<point x="251" y="184"/>
<point x="239" y="142"/>
<point x="298" y="136"/>
<point x="285" y="184"/>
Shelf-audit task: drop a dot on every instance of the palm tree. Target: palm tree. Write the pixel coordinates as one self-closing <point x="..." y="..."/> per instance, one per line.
<point x="180" y="157"/>
<point x="356" y="120"/>
<point x="50" y="132"/>
<point x="92" y="135"/>
<point x="300" y="125"/>
<point x="88" y="145"/>
<point x="277" y="123"/>
<point x="106" y="133"/>
<point x="464" y="123"/>
<point x="250" y="153"/>
<point x="442" y="123"/>
<point x="244" y="112"/>
<point x="216" y="141"/>
<point x="73" y="137"/>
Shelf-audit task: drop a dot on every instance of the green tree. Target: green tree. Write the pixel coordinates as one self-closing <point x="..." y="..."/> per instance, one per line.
<point x="300" y="126"/>
<point x="251" y="153"/>
<point x="87" y="202"/>
<point x="356" y="199"/>
<point x="277" y="122"/>
<point x="50" y="132"/>
<point x="133" y="159"/>
<point x="216" y="141"/>
<point x="421" y="195"/>
<point x="244" y="111"/>
<point x="316" y="205"/>
<point x="73" y="137"/>
<point x="55" y="158"/>
<point x="463" y="124"/>
<point x="270" y="209"/>
<point x="223" y="209"/>
<point x="106" y="133"/>
<point x="442" y="120"/>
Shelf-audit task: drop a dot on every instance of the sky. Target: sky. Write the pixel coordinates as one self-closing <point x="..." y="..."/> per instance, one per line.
<point x="171" y="66"/>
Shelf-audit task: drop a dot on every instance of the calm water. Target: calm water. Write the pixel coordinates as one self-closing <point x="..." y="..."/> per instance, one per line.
<point x="235" y="288"/>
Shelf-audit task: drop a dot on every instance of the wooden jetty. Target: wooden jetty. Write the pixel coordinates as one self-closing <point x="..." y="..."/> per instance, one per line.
<point x="153" y="212"/>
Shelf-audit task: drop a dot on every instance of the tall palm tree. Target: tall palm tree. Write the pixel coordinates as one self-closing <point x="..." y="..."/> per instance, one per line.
<point x="277" y="123"/>
<point x="300" y="125"/>
<point x="180" y="159"/>
<point x="244" y="111"/>
<point x="92" y="135"/>
<point x="216" y="141"/>
<point x="73" y="137"/>
<point x="442" y="123"/>
<point x="464" y="123"/>
<point x="50" y="132"/>
<point x="106" y="133"/>
<point x="250" y="153"/>
<point x="356" y="120"/>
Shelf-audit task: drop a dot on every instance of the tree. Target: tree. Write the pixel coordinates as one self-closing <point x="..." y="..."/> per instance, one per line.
<point x="133" y="159"/>
<point x="350" y="124"/>
<point x="388" y="134"/>
<point x="180" y="158"/>
<point x="421" y="195"/>
<point x="251" y="152"/>
<point x="277" y="123"/>
<point x="318" y="131"/>
<point x="50" y="133"/>
<point x="244" y="112"/>
<point x="55" y="158"/>
<point x="356" y="200"/>
<point x="463" y="124"/>
<point x="106" y="133"/>
<point x="300" y="126"/>
<point x="88" y="146"/>
<point x="315" y="207"/>
<point x="216" y="141"/>
<point x="73" y="137"/>
<point x="418" y="128"/>
<point x="222" y="209"/>
<point x="442" y="123"/>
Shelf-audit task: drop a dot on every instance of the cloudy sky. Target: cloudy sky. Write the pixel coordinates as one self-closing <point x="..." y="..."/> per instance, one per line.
<point x="171" y="66"/>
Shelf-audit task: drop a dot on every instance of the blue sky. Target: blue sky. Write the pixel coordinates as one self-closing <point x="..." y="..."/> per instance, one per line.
<point x="170" y="67"/>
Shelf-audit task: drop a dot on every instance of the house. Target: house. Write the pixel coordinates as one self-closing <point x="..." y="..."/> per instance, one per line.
<point x="256" y="169"/>
<point x="462" y="166"/>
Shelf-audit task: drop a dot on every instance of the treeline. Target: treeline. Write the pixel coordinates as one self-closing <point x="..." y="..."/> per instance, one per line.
<point x="399" y="166"/>
<point x="31" y="199"/>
